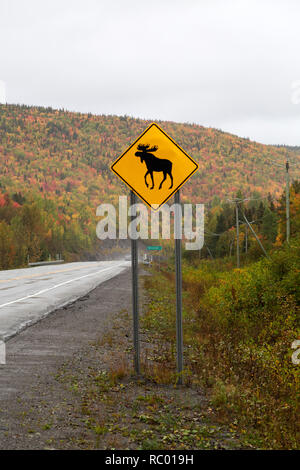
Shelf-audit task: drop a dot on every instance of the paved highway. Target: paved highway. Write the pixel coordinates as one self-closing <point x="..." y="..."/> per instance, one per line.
<point x="27" y="295"/>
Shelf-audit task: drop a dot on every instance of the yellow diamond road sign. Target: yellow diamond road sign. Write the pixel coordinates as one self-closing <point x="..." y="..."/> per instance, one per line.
<point x="154" y="167"/>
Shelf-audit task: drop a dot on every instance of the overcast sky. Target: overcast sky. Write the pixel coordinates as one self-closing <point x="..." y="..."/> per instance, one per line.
<point x="228" y="64"/>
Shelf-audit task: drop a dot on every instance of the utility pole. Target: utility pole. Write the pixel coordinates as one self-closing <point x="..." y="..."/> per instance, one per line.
<point x="287" y="195"/>
<point x="230" y="247"/>
<point x="237" y="235"/>
<point x="246" y="234"/>
<point x="256" y="237"/>
<point x="287" y="198"/>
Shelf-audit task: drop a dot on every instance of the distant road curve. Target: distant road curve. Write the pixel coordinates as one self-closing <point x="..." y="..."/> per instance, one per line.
<point x="28" y="295"/>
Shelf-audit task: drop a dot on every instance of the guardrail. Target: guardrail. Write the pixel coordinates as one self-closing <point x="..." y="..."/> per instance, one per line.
<point x="43" y="263"/>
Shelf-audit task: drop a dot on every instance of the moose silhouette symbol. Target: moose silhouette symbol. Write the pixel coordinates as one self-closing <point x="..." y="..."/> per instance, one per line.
<point x="154" y="164"/>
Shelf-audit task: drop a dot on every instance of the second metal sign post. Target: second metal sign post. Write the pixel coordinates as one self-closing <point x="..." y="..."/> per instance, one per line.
<point x="135" y="300"/>
<point x="179" y="332"/>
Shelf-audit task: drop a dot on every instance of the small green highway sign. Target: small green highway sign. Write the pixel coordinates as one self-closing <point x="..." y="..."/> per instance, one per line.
<point x="153" y="248"/>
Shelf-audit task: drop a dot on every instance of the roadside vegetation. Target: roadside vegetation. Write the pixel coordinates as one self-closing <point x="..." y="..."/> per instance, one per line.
<point x="32" y="230"/>
<point x="238" y="329"/>
<point x="239" y="324"/>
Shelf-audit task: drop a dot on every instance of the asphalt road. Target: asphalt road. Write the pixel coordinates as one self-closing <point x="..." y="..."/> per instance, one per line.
<point x="28" y="295"/>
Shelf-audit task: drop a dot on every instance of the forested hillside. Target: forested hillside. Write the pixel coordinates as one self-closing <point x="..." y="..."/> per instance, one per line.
<point x="66" y="156"/>
<point x="55" y="172"/>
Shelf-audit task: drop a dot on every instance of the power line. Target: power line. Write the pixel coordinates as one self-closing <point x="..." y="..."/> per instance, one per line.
<point x="256" y="237"/>
<point x="214" y="234"/>
<point x="291" y="161"/>
<point x="249" y="199"/>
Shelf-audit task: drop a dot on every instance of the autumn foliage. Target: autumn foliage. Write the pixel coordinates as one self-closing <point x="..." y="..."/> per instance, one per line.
<point x="56" y="172"/>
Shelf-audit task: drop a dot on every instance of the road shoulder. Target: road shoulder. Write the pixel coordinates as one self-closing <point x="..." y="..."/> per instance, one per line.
<point x="28" y="385"/>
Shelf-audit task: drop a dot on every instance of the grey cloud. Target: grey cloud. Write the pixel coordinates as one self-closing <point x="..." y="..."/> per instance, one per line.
<point x="223" y="64"/>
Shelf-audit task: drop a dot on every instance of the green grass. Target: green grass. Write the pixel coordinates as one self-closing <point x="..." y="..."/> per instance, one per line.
<point x="238" y="330"/>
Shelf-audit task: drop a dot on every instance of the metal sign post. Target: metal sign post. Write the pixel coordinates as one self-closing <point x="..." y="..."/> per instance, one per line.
<point x="135" y="306"/>
<point x="179" y="333"/>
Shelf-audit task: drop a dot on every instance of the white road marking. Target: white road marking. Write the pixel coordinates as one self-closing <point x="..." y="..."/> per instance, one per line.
<point x="58" y="285"/>
<point x="44" y="274"/>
